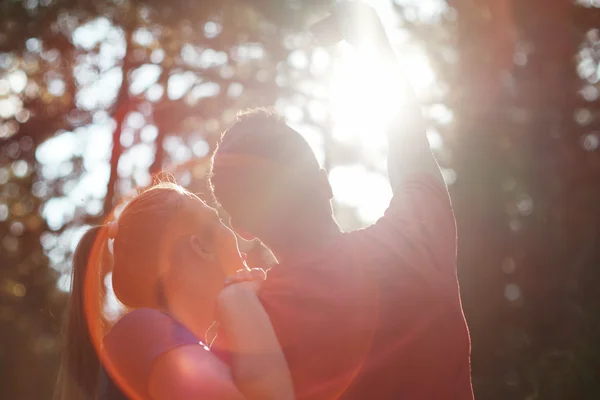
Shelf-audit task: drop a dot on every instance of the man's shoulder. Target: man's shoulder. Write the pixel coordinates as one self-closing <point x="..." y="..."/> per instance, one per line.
<point x="312" y="267"/>
<point x="324" y="281"/>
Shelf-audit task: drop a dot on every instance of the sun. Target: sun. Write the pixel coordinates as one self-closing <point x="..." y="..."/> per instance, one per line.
<point x="365" y="93"/>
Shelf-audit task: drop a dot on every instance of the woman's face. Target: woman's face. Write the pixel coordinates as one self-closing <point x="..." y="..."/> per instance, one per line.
<point x="207" y="252"/>
<point x="218" y="239"/>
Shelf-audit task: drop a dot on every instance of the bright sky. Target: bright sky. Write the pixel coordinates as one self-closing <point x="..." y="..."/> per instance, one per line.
<point x="356" y="105"/>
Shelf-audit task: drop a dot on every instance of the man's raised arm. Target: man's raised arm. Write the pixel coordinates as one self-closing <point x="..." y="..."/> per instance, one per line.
<point x="409" y="151"/>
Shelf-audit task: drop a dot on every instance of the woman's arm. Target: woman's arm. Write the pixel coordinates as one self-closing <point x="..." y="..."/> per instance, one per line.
<point x="191" y="373"/>
<point x="259" y="366"/>
<point x="149" y="355"/>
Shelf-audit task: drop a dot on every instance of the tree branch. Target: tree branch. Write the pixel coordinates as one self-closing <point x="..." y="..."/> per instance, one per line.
<point x="121" y="110"/>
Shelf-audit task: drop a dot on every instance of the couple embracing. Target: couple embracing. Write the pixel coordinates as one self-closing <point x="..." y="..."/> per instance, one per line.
<point x="369" y="314"/>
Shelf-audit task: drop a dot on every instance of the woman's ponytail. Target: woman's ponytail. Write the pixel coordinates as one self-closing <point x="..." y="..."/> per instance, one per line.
<point x="80" y="365"/>
<point x="140" y="227"/>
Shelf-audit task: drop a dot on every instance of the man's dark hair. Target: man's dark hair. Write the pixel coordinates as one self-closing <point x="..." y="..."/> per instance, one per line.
<point x="264" y="173"/>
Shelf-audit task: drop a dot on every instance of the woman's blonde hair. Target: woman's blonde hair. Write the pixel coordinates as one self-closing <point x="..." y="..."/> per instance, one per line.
<point x="141" y="226"/>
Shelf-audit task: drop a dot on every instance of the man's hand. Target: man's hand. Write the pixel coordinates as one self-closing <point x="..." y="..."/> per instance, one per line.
<point x="353" y="21"/>
<point x="360" y="24"/>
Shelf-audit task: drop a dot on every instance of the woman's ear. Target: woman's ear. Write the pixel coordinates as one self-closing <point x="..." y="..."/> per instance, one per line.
<point x="201" y="249"/>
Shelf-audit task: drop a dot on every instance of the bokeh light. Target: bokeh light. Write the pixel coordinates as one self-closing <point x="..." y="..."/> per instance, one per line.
<point x="510" y="98"/>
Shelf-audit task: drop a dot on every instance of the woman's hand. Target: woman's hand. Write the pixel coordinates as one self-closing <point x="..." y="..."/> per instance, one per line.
<point x="247" y="275"/>
<point x="239" y="288"/>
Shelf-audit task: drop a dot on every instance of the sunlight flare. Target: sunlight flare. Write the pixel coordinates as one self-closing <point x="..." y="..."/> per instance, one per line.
<point x="365" y="93"/>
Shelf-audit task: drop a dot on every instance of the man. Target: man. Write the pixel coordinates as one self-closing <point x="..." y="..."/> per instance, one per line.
<point x="369" y="314"/>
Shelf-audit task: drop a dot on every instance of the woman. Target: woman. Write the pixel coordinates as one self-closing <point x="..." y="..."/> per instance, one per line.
<point x="171" y="257"/>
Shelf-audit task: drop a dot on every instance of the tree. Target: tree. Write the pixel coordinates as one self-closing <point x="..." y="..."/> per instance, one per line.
<point x="97" y="96"/>
<point x="525" y="196"/>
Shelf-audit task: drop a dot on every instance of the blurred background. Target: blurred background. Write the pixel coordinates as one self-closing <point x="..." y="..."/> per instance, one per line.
<point x="96" y="96"/>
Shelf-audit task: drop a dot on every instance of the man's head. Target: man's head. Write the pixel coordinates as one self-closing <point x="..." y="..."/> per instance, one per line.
<point x="267" y="178"/>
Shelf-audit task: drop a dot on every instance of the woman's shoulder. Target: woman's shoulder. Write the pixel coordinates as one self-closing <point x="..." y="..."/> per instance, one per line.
<point x="140" y="322"/>
<point x="148" y="332"/>
<point x="138" y="339"/>
<point x="142" y="318"/>
<point x="150" y="351"/>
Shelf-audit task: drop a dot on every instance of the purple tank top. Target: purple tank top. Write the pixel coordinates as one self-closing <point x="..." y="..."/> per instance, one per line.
<point x="139" y="338"/>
